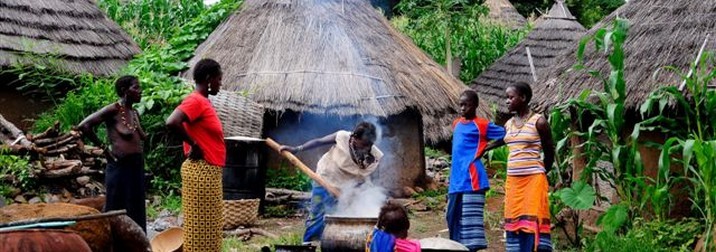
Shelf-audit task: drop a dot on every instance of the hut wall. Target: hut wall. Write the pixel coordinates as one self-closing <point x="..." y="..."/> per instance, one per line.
<point x="401" y="142"/>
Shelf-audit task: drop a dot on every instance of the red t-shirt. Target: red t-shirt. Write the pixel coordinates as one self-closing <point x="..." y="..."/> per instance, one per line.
<point x="204" y="127"/>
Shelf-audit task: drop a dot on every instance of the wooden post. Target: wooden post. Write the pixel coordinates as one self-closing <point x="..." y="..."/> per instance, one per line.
<point x="305" y="169"/>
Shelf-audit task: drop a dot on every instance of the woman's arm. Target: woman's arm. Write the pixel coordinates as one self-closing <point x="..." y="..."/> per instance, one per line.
<point x="175" y="124"/>
<point x="545" y="135"/>
<point x="313" y="143"/>
<point x="88" y="125"/>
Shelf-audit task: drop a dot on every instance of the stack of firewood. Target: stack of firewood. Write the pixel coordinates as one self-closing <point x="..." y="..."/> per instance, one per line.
<point x="58" y="158"/>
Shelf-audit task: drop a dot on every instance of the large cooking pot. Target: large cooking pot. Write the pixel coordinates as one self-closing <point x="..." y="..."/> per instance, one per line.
<point x="346" y="233"/>
<point x="42" y="240"/>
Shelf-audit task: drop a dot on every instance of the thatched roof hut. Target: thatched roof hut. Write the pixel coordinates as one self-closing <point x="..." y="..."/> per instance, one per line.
<point x="503" y="12"/>
<point x="321" y="65"/>
<point x="331" y="57"/>
<point x="76" y="33"/>
<point x="661" y="33"/>
<point x="555" y="33"/>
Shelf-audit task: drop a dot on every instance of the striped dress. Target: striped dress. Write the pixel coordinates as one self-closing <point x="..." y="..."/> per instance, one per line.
<point x="527" y="218"/>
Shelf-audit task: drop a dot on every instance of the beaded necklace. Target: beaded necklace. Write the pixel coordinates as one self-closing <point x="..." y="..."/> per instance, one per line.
<point x="123" y="114"/>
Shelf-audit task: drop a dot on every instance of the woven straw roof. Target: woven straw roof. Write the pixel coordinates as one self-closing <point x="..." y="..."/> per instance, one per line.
<point x="502" y="11"/>
<point x="661" y="33"/>
<point x="312" y="56"/>
<point x="76" y="32"/>
<point x="554" y="34"/>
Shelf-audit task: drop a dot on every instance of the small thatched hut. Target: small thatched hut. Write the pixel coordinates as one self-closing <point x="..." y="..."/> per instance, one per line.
<point x="503" y="12"/>
<point x="77" y="34"/>
<point x="556" y="32"/>
<point x="322" y="65"/>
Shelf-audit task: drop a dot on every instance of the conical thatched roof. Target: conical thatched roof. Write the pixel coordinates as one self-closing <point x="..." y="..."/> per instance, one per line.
<point x="661" y="33"/>
<point x="77" y="33"/>
<point x="502" y="11"/>
<point x="337" y="57"/>
<point x="555" y="33"/>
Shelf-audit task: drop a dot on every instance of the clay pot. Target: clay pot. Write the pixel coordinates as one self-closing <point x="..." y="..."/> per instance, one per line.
<point x="42" y="240"/>
<point x="346" y="233"/>
<point x="95" y="232"/>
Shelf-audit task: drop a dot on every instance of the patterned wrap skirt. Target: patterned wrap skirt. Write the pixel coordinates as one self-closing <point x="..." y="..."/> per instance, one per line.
<point x="202" y="205"/>
<point x="465" y="219"/>
<point x="527" y="217"/>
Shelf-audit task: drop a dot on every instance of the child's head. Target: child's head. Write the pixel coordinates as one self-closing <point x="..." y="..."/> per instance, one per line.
<point x="468" y="103"/>
<point x="393" y="219"/>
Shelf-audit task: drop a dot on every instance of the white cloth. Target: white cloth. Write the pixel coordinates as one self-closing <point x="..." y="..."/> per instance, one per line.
<point x="338" y="168"/>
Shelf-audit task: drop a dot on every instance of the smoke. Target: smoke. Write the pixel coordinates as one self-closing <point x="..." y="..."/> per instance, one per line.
<point x="363" y="200"/>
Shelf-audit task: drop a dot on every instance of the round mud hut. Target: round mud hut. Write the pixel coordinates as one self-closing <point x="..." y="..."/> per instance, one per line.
<point x="503" y="12"/>
<point x="555" y="33"/>
<point x="318" y="66"/>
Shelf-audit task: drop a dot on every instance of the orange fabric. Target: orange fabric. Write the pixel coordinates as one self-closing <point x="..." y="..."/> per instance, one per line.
<point x="527" y="204"/>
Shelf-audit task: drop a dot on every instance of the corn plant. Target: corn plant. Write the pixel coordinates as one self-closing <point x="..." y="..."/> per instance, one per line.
<point x="695" y="107"/>
<point x="152" y="22"/>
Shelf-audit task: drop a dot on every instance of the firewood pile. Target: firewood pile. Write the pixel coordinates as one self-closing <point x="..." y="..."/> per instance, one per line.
<point x="59" y="160"/>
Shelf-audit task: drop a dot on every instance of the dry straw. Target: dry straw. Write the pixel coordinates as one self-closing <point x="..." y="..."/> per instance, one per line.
<point x="77" y="33"/>
<point x="661" y="33"/>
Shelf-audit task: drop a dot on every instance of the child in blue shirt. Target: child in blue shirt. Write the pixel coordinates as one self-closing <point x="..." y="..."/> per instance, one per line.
<point x="472" y="136"/>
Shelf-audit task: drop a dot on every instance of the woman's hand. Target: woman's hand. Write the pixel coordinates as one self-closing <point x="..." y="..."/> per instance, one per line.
<point x="289" y="149"/>
<point x="195" y="153"/>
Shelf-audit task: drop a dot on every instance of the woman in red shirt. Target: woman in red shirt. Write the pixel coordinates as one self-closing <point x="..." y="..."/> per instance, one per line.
<point x="195" y="121"/>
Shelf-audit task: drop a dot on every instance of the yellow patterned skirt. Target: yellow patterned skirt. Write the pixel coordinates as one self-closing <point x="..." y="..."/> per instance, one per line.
<point x="202" y="205"/>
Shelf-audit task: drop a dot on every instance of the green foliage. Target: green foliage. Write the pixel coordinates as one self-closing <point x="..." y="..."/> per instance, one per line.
<point x="152" y="22"/>
<point x="667" y="235"/>
<point x="615" y="218"/>
<point x="40" y="76"/>
<point x="169" y="201"/>
<point x="436" y="26"/>
<point x="288" y="178"/>
<point x="433" y="153"/>
<point x="580" y="196"/>
<point x="19" y="170"/>
<point x="162" y="90"/>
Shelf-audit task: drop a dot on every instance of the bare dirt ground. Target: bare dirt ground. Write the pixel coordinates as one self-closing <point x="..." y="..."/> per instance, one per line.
<point x="430" y="223"/>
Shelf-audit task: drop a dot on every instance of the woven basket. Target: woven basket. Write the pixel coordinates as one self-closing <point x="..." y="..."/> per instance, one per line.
<point x="239" y="115"/>
<point x="243" y="212"/>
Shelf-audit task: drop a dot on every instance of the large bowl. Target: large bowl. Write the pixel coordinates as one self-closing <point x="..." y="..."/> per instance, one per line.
<point x="344" y="233"/>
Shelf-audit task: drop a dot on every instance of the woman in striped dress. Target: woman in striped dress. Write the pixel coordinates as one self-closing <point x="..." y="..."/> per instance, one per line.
<point x="528" y="136"/>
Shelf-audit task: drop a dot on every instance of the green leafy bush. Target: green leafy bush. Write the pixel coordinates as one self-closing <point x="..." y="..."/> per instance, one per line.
<point x="288" y="178"/>
<point x="667" y="235"/>
<point x="16" y="170"/>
